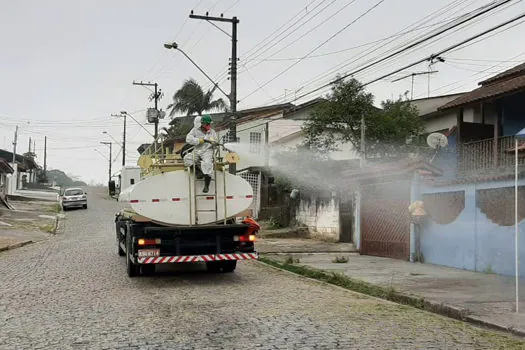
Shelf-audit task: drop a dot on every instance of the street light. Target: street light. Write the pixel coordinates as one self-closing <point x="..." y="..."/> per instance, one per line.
<point x="110" y="156"/>
<point x="174" y="46"/>
<point x="114" y="140"/>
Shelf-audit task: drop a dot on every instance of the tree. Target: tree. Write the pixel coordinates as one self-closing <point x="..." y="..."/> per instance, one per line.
<point x="390" y="132"/>
<point x="191" y="99"/>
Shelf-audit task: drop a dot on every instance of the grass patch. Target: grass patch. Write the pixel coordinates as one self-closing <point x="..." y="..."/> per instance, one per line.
<point x="346" y="282"/>
<point x="48" y="228"/>
<point x="55" y="208"/>
<point x="340" y="260"/>
<point x="291" y="260"/>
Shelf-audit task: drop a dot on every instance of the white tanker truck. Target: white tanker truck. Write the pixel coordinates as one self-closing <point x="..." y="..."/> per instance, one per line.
<point x="167" y="219"/>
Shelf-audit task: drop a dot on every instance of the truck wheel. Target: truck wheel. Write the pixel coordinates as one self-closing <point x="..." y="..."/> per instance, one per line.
<point x="120" y="251"/>
<point x="229" y="266"/>
<point x="131" y="268"/>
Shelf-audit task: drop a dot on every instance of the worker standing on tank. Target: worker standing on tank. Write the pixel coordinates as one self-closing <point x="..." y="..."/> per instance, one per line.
<point x="203" y="137"/>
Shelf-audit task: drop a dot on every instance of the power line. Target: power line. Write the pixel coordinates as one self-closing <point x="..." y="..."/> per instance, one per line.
<point x="402" y="32"/>
<point x="220" y="77"/>
<point x="407" y="48"/>
<point x="317" y="47"/>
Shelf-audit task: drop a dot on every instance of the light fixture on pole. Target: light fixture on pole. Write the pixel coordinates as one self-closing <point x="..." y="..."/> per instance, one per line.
<point x="111" y="136"/>
<point x="519" y="135"/>
<point x="175" y="46"/>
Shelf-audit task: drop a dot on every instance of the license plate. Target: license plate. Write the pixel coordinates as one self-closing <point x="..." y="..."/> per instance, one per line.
<point x="149" y="252"/>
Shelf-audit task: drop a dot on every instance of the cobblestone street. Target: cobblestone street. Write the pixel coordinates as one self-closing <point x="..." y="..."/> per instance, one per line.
<point x="72" y="292"/>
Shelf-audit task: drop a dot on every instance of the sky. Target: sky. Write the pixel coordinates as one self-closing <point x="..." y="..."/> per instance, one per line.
<point x="68" y="66"/>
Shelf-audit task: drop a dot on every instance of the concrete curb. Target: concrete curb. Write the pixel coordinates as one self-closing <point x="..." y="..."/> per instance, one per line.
<point x="415" y="301"/>
<point x="15" y="245"/>
<point x="311" y="253"/>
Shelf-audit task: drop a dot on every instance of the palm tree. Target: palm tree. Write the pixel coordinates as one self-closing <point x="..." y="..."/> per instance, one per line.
<point x="191" y="99"/>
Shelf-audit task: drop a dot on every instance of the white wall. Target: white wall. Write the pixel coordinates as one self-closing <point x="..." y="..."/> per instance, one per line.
<point x="321" y="216"/>
<point x="445" y="121"/>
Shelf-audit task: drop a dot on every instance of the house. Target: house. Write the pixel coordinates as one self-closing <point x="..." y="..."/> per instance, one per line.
<point x="5" y="170"/>
<point x="434" y="119"/>
<point x="467" y="192"/>
<point x="25" y="170"/>
<point x="263" y="132"/>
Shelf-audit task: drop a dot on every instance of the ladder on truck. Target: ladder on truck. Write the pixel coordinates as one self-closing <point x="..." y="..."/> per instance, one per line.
<point x="196" y="193"/>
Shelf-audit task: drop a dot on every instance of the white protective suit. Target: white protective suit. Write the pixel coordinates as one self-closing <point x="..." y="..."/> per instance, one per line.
<point x="203" y="151"/>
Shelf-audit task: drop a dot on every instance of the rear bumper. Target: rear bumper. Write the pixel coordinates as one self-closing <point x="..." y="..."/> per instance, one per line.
<point x="197" y="258"/>
<point x="71" y="204"/>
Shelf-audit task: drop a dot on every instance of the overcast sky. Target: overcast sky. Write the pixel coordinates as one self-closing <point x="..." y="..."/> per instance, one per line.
<point x="66" y="66"/>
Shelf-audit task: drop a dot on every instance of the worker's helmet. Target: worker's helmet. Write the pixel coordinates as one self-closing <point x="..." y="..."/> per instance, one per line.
<point x="206" y="119"/>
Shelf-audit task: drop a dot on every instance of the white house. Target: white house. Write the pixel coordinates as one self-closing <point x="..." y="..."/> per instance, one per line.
<point x="435" y="120"/>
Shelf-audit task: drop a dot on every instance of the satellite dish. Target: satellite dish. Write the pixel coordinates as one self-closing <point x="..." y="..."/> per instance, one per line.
<point x="437" y="140"/>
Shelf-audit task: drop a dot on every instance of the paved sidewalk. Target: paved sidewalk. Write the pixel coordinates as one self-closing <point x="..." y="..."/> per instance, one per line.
<point x="300" y="245"/>
<point x="483" y="298"/>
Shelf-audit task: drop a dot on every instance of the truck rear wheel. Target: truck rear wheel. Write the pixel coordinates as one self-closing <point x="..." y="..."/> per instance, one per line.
<point x="131" y="268"/>
<point x="229" y="266"/>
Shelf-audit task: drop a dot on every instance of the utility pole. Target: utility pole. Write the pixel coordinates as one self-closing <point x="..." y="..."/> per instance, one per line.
<point x="14" y="145"/>
<point x="110" y="156"/>
<point x="233" y="72"/>
<point x="123" y="114"/>
<point x="45" y="156"/>
<point x="155" y="96"/>
<point x="363" y="143"/>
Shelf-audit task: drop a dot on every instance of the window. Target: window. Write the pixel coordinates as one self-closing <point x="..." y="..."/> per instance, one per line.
<point x="132" y="181"/>
<point x="255" y="142"/>
<point x="227" y="138"/>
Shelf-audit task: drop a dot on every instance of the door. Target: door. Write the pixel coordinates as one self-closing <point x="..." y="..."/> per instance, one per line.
<point x="385" y="220"/>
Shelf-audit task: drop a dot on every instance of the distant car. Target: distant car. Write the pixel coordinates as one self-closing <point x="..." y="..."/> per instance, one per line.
<point x="74" y="198"/>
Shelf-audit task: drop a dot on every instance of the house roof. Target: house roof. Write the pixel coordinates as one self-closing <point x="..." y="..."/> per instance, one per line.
<point x="428" y="106"/>
<point x="288" y="137"/>
<point x="304" y="105"/>
<point x="5" y="168"/>
<point x="25" y="163"/>
<point x="256" y="116"/>
<point x="509" y="81"/>
<point x="392" y="168"/>
<point x="517" y="70"/>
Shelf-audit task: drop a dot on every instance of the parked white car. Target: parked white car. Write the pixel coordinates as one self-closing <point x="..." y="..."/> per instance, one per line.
<point x="74" y="198"/>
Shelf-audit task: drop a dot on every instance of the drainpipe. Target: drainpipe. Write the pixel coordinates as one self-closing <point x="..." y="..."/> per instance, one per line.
<point x="357" y="219"/>
<point x="414" y="228"/>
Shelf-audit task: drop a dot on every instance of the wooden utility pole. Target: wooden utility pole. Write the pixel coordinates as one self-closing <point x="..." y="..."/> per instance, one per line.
<point x="14" y="145"/>
<point x="233" y="73"/>
<point x="45" y="156"/>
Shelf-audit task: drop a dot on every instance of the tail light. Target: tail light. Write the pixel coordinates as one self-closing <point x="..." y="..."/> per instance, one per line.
<point x="245" y="238"/>
<point x="145" y="241"/>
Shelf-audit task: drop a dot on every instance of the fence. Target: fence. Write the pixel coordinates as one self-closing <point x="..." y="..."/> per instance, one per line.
<point x="487" y="154"/>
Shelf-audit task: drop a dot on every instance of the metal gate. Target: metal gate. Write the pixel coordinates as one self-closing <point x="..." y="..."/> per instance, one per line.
<point x="385" y="220"/>
<point x="254" y="178"/>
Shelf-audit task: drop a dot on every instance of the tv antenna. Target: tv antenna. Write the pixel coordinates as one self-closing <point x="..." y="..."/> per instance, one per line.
<point x="413" y="75"/>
